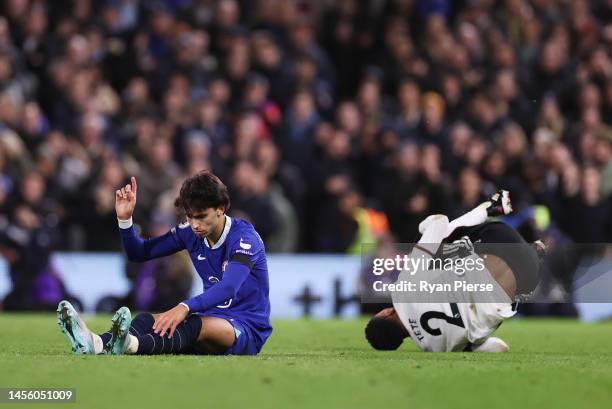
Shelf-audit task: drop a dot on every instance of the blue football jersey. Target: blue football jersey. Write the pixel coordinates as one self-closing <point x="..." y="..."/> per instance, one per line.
<point x="251" y="305"/>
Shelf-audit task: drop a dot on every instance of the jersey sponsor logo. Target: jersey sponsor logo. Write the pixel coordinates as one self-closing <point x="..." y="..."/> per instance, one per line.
<point x="201" y="257"/>
<point x="245" y="246"/>
<point x="248" y="253"/>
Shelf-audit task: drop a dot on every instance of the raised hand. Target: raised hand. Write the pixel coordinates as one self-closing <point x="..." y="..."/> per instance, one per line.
<point x="125" y="200"/>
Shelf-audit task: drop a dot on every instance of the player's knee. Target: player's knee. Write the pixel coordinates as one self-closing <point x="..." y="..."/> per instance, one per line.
<point x="144" y="318"/>
<point x="194" y="324"/>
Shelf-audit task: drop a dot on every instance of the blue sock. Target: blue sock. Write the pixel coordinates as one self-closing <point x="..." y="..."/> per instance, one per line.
<point x="106" y="337"/>
<point x="185" y="335"/>
<point x="142" y="324"/>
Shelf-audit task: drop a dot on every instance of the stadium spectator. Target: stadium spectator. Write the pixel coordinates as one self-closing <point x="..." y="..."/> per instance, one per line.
<point x="410" y="107"/>
<point x="30" y="228"/>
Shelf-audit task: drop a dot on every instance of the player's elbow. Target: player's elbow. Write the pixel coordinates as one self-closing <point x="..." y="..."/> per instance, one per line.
<point x="229" y="291"/>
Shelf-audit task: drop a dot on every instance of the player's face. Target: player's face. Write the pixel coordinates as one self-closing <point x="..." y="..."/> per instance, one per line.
<point x="204" y="222"/>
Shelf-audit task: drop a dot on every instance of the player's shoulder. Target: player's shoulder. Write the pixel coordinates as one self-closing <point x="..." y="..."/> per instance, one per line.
<point x="184" y="233"/>
<point x="240" y="226"/>
<point x="243" y="235"/>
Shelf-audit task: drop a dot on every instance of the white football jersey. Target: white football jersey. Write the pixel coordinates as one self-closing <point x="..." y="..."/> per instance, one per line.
<point x="453" y="326"/>
<point x="449" y="327"/>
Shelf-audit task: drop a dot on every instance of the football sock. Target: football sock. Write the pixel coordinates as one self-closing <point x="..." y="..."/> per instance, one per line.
<point x="105" y="337"/>
<point x="148" y="343"/>
<point x="433" y="235"/>
<point x="142" y="324"/>
<point x="137" y="327"/>
<point x="98" y="343"/>
<point x="132" y="345"/>
<point x="474" y="217"/>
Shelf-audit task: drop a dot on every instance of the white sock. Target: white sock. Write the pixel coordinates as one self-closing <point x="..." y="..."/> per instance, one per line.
<point x="434" y="233"/>
<point x="132" y="345"/>
<point x="98" y="344"/>
<point x="474" y="217"/>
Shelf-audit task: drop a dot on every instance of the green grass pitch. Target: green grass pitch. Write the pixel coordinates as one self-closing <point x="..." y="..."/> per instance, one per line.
<point x="321" y="364"/>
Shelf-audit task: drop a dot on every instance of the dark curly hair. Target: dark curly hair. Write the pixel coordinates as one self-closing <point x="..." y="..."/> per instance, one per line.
<point x="384" y="334"/>
<point x="202" y="191"/>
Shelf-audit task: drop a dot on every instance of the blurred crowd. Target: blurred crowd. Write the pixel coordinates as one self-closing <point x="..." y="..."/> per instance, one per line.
<point x="332" y="122"/>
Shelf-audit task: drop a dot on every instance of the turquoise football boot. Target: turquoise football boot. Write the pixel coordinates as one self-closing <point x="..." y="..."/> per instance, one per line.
<point x="120" y="329"/>
<point x="75" y="329"/>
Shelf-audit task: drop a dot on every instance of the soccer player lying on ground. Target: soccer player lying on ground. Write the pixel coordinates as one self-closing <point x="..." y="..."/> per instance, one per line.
<point x="444" y="326"/>
<point x="231" y="316"/>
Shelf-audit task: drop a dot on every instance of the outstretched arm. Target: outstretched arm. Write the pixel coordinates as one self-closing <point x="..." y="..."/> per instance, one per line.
<point x="136" y="248"/>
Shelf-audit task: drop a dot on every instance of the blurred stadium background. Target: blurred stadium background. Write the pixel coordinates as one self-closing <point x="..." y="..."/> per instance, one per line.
<point x="334" y="123"/>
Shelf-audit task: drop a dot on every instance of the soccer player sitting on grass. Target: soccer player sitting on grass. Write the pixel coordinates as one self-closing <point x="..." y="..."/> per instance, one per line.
<point x="463" y="326"/>
<point x="231" y="316"/>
